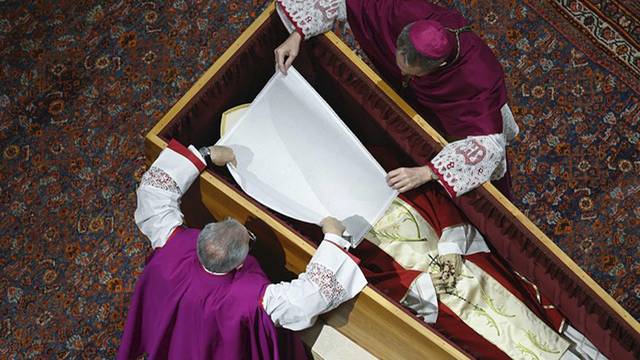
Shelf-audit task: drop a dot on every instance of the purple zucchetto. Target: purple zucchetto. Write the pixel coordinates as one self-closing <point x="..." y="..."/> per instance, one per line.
<point x="431" y="39"/>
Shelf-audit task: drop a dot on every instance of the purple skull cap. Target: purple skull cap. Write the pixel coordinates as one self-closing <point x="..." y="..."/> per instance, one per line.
<point x="430" y="39"/>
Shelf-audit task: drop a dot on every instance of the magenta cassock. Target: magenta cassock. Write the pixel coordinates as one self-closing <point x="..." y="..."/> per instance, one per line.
<point x="381" y="120"/>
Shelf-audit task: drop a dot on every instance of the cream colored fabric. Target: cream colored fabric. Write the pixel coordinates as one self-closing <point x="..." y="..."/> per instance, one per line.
<point x="480" y="301"/>
<point x="491" y="310"/>
<point x="405" y="235"/>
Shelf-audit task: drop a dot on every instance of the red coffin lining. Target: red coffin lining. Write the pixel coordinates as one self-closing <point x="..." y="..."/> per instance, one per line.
<point x="378" y="121"/>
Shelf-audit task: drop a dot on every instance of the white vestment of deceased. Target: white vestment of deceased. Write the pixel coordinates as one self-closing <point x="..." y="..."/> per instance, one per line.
<point x="297" y="157"/>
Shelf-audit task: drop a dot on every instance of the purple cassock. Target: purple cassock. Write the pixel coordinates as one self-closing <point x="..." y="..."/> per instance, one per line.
<point x="197" y="315"/>
<point x="180" y="311"/>
<point x="463" y="98"/>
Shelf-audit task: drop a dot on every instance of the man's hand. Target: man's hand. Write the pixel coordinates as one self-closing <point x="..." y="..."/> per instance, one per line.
<point x="452" y="264"/>
<point x="440" y="285"/>
<point x="287" y="52"/>
<point x="331" y="225"/>
<point x="405" y="179"/>
<point x="222" y="155"/>
<point x="445" y="281"/>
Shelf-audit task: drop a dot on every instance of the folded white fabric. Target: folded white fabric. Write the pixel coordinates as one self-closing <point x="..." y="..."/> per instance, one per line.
<point x="297" y="157"/>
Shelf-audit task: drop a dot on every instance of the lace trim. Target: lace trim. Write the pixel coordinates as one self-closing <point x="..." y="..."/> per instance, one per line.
<point x="466" y="164"/>
<point x="313" y="17"/>
<point x="158" y="178"/>
<point x="326" y="281"/>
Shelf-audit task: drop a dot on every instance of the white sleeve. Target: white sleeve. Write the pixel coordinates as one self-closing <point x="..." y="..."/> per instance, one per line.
<point x="169" y="177"/>
<point x="466" y="164"/>
<point x="463" y="239"/>
<point x="421" y="298"/>
<point x="330" y="279"/>
<point x="581" y="348"/>
<point x="338" y="240"/>
<point x="311" y="17"/>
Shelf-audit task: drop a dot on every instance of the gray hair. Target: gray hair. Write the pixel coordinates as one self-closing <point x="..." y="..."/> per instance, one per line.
<point x="221" y="245"/>
<point x="414" y="58"/>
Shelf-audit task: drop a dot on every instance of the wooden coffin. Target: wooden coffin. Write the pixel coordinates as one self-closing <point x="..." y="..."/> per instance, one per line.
<point x="379" y="117"/>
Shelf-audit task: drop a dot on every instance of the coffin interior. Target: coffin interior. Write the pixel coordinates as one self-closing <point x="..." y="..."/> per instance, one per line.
<point x="386" y="129"/>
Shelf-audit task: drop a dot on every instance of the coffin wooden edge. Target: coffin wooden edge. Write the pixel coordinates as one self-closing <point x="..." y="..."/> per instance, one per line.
<point x="370" y="320"/>
<point x="408" y="335"/>
<point x="519" y="215"/>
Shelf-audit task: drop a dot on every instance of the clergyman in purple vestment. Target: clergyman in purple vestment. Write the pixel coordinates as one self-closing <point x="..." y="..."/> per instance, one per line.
<point x="201" y="296"/>
<point x="446" y="72"/>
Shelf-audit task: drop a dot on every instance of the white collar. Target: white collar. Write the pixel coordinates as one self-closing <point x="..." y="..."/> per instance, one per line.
<point x="213" y="273"/>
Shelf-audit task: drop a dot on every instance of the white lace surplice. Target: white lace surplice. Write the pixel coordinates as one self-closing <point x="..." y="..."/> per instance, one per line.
<point x="332" y="277"/>
<point x="468" y="163"/>
<point x="311" y="17"/>
<point x="462" y="165"/>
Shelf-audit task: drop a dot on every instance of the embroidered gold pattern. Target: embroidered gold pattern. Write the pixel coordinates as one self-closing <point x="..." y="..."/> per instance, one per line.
<point x="526" y="352"/>
<point x="539" y="344"/>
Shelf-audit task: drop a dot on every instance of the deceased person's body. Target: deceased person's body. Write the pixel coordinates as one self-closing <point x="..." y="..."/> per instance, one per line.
<point x="421" y="250"/>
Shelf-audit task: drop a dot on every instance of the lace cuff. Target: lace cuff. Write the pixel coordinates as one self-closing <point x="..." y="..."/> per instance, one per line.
<point x="466" y="164"/>
<point x="327" y="283"/>
<point x="159" y="179"/>
<point x="343" y="268"/>
<point x="331" y="278"/>
<point x="312" y="17"/>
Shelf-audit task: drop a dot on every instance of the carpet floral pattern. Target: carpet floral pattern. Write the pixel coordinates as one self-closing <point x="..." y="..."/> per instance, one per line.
<point x="83" y="81"/>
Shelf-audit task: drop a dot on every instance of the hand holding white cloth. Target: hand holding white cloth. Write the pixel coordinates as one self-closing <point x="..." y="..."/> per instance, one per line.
<point x="297" y="157"/>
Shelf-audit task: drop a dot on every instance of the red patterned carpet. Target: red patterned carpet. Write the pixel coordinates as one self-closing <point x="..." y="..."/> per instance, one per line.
<point x="83" y="81"/>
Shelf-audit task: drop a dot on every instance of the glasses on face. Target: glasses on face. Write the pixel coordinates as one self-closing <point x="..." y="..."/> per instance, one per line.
<point x="252" y="237"/>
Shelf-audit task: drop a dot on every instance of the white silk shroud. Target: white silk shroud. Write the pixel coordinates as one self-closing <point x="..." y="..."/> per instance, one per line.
<point x="297" y="157"/>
